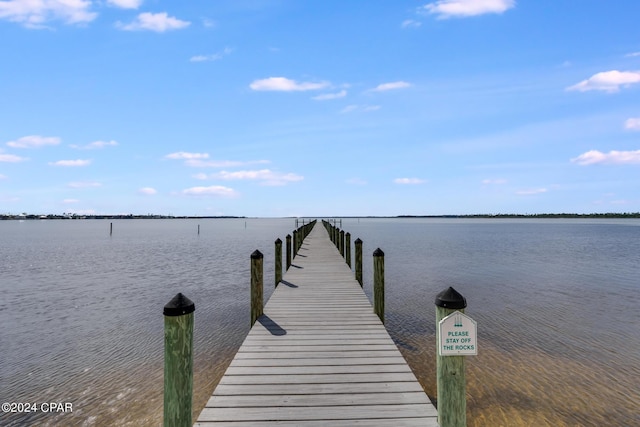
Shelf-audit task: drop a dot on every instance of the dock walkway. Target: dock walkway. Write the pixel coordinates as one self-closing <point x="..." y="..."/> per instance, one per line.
<point x="318" y="356"/>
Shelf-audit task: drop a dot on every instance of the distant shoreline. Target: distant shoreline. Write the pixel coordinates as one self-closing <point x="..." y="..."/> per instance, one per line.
<point x="489" y="216"/>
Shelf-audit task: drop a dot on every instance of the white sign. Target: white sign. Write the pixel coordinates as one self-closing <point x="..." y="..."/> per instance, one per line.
<point x="458" y="335"/>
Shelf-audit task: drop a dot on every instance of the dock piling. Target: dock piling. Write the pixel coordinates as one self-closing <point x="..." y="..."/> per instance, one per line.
<point x="347" y="249"/>
<point x="378" y="283"/>
<point x="358" y="246"/>
<point x="450" y="370"/>
<point x="178" y="361"/>
<point x="257" y="302"/>
<point x="278" y="261"/>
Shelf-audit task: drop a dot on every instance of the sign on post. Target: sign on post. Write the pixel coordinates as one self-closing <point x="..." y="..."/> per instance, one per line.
<point x="458" y="335"/>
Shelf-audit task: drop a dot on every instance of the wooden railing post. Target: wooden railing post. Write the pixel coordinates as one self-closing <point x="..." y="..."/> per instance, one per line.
<point x="348" y="249"/>
<point x="358" y="246"/>
<point x="342" y="243"/>
<point x="295" y="243"/>
<point x="378" y="283"/>
<point x="288" y="251"/>
<point x="450" y="370"/>
<point x="256" y="286"/>
<point x="278" y="261"/>
<point x="178" y="361"/>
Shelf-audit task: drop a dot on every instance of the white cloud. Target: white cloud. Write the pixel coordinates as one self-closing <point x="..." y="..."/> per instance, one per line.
<point x="267" y="176"/>
<point x="214" y="190"/>
<point x="211" y="57"/>
<point x="632" y="54"/>
<point x="608" y="81"/>
<point x="391" y="86"/>
<point x="10" y="158"/>
<point x="409" y="181"/>
<point x="71" y="163"/>
<point x="360" y="108"/>
<point x="3" y="176"/>
<point x="286" y="85"/>
<point x="611" y="158"/>
<point x="34" y="141"/>
<point x="95" y="145"/>
<point x="147" y="191"/>
<point x="158" y="22"/>
<point x="494" y="181"/>
<point x="125" y="4"/>
<point x="444" y="9"/>
<point x="327" y="96"/>
<point x="632" y="123"/>
<point x="68" y="201"/>
<point x="410" y="23"/>
<point x="532" y="191"/>
<point x="36" y="13"/>
<point x="197" y="163"/>
<point x="84" y="184"/>
<point x="183" y="155"/>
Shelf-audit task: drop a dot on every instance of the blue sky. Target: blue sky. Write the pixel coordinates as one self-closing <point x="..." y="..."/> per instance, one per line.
<point x="313" y="108"/>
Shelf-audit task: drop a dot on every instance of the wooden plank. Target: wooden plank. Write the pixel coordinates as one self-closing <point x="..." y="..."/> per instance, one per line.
<point x="387" y="422"/>
<point x="327" y="388"/>
<point x="317" y="370"/>
<point x="319" y="378"/>
<point x="327" y="413"/>
<point x="337" y="399"/>
<point x="318" y="356"/>
<point x="318" y="361"/>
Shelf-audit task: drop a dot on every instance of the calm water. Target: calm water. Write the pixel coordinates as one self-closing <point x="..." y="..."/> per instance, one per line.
<point x="557" y="304"/>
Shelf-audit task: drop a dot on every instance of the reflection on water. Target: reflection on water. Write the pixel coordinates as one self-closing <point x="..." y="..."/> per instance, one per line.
<point x="556" y="303"/>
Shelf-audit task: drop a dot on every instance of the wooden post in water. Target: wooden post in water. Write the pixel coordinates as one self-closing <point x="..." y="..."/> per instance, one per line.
<point x="178" y="361"/>
<point x="450" y="370"/>
<point x="256" y="286"/>
<point x="110" y="228"/>
<point x="358" y="246"/>
<point x="198" y="229"/>
<point x="296" y="236"/>
<point x="378" y="283"/>
<point x="278" y="263"/>
<point x="348" y="249"/>
<point x="288" y="251"/>
<point x="342" y="243"/>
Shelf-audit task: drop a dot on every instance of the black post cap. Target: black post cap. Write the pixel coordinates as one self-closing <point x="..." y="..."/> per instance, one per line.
<point x="278" y="240"/>
<point x="450" y="298"/>
<point x="179" y="306"/>
<point x="378" y="252"/>
<point x="256" y="255"/>
<point x="358" y="240"/>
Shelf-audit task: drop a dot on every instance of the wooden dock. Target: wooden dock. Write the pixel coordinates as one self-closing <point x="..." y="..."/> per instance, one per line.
<point x="318" y="356"/>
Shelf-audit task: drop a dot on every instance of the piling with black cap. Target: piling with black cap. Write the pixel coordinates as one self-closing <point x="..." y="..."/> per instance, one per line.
<point x="288" y="251"/>
<point x="347" y="249"/>
<point x="178" y="361"/>
<point x="278" y="261"/>
<point x="450" y="370"/>
<point x="358" y="245"/>
<point x="257" y="302"/>
<point x="378" y="283"/>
